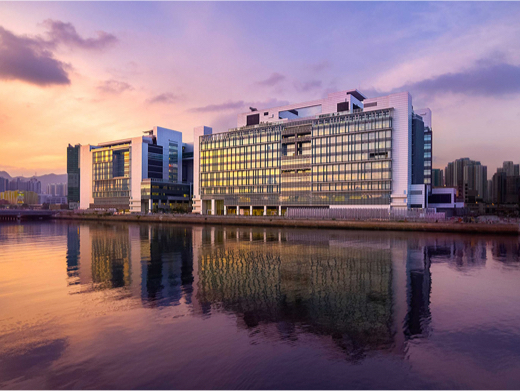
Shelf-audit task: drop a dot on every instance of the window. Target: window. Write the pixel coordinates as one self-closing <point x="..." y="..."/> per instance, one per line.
<point x="439" y="199"/>
<point x="342" y="106"/>
<point x="253" y="119"/>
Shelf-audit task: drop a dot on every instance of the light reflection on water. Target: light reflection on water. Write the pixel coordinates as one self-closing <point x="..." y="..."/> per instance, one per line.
<point x="151" y="306"/>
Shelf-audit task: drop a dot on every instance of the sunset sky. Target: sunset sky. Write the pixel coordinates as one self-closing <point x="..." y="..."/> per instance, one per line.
<point x="92" y="72"/>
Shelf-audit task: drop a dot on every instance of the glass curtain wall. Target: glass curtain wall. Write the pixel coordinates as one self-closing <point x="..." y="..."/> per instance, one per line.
<point x="111" y="173"/>
<point x="342" y="159"/>
<point x="173" y="162"/>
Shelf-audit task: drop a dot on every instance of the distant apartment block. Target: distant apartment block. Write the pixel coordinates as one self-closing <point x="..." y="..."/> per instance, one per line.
<point x="15" y="184"/>
<point x="505" y="185"/>
<point x="57" y="189"/>
<point x="4" y="184"/>
<point x="469" y="177"/>
<point x="510" y="168"/>
<point x="344" y="151"/>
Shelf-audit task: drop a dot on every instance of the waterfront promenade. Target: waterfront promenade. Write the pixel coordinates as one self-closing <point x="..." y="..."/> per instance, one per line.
<point x="274" y="221"/>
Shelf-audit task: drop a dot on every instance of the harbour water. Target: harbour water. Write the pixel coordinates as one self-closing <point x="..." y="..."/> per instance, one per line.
<point x="137" y="306"/>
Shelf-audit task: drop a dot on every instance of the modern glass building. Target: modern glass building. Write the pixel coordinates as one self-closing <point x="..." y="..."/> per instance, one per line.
<point x="134" y="174"/>
<point x="342" y="151"/>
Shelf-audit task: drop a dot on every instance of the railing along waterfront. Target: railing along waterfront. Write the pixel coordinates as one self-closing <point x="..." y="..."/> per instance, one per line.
<point x="366" y="214"/>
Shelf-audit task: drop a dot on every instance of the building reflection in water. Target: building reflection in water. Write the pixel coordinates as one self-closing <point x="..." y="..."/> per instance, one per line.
<point x="364" y="291"/>
<point x="166" y="265"/>
<point x="153" y="263"/>
<point x="418" y="286"/>
<point x="342" y="291"/>
<point x="72" y="257"/>
<point x="506" y="252"/>
<point x="111" y="257"/>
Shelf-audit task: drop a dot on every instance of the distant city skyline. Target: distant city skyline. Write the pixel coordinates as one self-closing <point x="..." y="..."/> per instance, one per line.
<point x="87" y="72"/>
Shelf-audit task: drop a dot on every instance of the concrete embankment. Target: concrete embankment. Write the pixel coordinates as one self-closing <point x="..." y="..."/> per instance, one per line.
<point x="475" y="228"/>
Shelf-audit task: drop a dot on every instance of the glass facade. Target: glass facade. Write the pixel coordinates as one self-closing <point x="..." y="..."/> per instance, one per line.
<point x="165" y="196"/>
<point x="427" y="156"/>
<point x="332" y="159"/>
<point x="155" y="162"/>
<point x="173" y="162"/>
<point x="111" y="175"/>
<point x="73" y="174"/>
<point x="164" y="191"/>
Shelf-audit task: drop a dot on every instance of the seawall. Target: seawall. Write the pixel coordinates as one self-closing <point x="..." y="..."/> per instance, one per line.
<point x="475" y="228"/>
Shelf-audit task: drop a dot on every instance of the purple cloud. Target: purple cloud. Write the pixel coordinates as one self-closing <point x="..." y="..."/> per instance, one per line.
<point x="27" y="59"/>
<point x="267" y="103"/>
<point x="318" y="67"/>
<point x="30" y="59"/>
<point x="219" y="107"/>
<point x="272" y="80"/>
<point x="65" y="33"/>
<point x="483" y="79"/>
<point x="486" y="77"/>
<point x="238" y="105"/>
<point x="308" y="86"/>
<point x="114" y="87"/>
<point x="166" y="98"/>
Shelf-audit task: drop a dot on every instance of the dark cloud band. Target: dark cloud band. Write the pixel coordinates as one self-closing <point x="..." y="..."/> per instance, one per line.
<point x="30" y="59"/>
<point x="486" y="79"/>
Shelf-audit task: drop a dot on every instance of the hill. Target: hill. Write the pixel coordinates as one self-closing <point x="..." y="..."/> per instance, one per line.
<point x="5" y="175"/>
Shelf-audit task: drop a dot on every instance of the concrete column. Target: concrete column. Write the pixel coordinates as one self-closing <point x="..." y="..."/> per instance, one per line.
<point x="265" y="210"/>
<point x="251" y="210"/>
<point x="225" y="210"/>
<point x="238" y="210"/>
<point x="213" y="211"/>
<point x="280" y="210"/>
<point x="150" y="205"/>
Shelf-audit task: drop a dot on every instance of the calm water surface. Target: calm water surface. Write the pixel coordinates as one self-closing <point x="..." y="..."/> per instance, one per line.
<point x="161" y="307"/>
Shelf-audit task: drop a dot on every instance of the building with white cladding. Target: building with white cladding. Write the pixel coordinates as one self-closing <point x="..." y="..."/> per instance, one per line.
<point x="137" y="174"/>
<point x="344" y="151"/>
